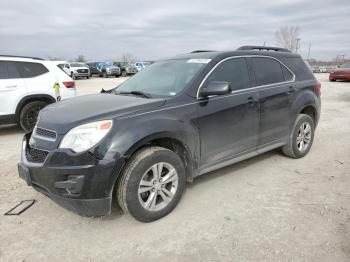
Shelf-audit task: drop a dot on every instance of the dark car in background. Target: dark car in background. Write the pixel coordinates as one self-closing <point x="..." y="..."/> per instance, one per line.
<point x="104" y="69"/>
<point x="142" y="141"/>
<point x="342" y="73"/>
<point x="127" y="69"/>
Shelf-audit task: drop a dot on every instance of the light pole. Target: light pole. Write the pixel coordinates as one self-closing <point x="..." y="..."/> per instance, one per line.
<point x="297" y="45"/>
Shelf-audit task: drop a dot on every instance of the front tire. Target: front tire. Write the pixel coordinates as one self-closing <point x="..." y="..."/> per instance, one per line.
<point x="29" y="114"/>
<point x="105" y="75"/>
<point x="152" y="184"/>
<point x="301" y="137"/>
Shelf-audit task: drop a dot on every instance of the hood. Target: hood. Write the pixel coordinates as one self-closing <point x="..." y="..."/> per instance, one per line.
<point x="64" y="115"/>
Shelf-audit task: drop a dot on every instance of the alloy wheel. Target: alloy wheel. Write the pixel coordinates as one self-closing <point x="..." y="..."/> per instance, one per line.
<point x="304" y="137"/>
<point x="158" y="186"/>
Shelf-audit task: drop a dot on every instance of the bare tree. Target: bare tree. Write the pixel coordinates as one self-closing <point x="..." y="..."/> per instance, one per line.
<point x="287" y="37"/>
<point x="128" y="58"/>
<point x="80" y="58"/>
<point x="54" y="58"/>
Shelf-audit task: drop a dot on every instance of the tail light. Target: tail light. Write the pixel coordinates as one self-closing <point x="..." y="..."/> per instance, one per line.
<point x="318" y="87"/>
<point x="69" y="84"/>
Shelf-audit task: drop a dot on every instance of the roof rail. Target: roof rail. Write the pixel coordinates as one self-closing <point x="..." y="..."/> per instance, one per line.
<point x="267" y="48"/>
<point x="19" y="56"/>
<point x="201" y="51"/>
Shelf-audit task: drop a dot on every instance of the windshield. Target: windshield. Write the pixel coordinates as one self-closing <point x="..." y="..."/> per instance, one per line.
<point x="345" y="66"/>
<point x="162" y="79"/>
<point x="78" y="65"/>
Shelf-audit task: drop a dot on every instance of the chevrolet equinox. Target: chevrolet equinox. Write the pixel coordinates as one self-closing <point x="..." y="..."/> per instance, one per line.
<point x="175" y="120"/>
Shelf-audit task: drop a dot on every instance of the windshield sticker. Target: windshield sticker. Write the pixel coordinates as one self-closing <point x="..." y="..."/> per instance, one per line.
<point x="172" y="93"/>
<point x="199" y="60"/>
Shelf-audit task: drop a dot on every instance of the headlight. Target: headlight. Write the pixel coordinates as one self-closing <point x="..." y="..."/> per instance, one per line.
<point x="84" y="137"/>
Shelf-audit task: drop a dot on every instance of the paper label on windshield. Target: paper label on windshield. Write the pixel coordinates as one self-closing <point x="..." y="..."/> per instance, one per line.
<point x="199" y="60"/>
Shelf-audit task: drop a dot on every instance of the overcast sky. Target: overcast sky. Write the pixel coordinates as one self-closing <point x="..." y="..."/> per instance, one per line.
<point x="153" y="29"/>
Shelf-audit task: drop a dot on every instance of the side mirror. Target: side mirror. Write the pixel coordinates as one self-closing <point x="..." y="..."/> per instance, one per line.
<point x="215" y="88"/>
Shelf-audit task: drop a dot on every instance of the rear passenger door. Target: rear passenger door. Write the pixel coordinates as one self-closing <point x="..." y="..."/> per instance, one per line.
<point x="228" y="124"/>
<point x="12" y="88"/>
<point x="275" y="84"/>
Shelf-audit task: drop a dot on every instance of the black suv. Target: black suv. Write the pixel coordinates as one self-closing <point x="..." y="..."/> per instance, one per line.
<point x="127" y="69"/>
<point x="177" y="119"/>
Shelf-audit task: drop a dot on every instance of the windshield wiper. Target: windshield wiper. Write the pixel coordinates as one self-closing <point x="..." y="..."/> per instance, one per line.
<point x="136" y="93"/>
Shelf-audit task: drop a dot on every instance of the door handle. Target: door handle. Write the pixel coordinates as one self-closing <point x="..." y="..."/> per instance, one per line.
<point x="292" y="90"/>
<point x="11" y="86"/>
<point x="251" y="101"/>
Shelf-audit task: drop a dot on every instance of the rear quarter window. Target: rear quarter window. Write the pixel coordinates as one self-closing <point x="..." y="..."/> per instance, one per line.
<point x="299" y="68"/>
<point x="29" y="69"/>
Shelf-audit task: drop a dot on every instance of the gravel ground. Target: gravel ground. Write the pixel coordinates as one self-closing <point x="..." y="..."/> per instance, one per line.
<point x="268" y="208"/>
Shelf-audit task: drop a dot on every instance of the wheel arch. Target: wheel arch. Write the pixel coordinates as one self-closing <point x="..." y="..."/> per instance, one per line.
<point x="32" y="98"/>
<point x="169" y="141"/>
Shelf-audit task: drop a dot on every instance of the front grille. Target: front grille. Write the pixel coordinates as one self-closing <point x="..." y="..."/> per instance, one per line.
<point x="35" y="155"/>
<point x="82" y="70"/>
<point x="45" y="133"/>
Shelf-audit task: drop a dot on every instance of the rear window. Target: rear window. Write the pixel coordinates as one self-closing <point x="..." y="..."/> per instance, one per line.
<point x="29" y="69"/>
<point x="267" y="71"/>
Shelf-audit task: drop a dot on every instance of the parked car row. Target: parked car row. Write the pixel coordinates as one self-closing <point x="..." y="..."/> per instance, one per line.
<point x="102" y="69"/>
<point x="323" y="69"/>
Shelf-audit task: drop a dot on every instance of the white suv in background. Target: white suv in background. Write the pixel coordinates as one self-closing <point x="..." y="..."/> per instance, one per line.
<point x="27" y="85"/>
<point x="76" y="69"/>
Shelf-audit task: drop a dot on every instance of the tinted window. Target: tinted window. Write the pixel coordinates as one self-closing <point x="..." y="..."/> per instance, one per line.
<point x="3" y="70"/>
<point x="299" y="68"/>
<point x="12" y="70"/>
<point x="288" y="76"/>
<point x="267" y="71"/>
<point x="28" y="69"/>
<point x="8" y="70"/>
<point x="234" y="71"/>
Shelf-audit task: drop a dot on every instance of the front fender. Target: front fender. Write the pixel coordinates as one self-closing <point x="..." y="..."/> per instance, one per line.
<point x="137" y="131"/>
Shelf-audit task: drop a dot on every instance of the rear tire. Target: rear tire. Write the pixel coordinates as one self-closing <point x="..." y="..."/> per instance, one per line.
<point x="301" y="137"/>
<point x="147" y="193"/>
<point x="29" y="114"/>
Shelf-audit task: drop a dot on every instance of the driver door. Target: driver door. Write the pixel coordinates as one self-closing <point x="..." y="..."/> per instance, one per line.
<point x="228" y="124"/>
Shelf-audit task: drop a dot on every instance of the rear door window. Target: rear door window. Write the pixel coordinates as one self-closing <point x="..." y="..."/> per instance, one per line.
<point x="3" y="70"/>
<point x="288" y="76"/>
<point x="29" y="69"/>
<point x="8" y="70"/>
<point x="12" y="70"/>
<point x="234" y="71"/>
<point x="267" y="71"/>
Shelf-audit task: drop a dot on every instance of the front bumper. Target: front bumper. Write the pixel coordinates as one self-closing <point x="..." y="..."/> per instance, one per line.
<point x="78" y="182"/>
<point x="113" y="72"/>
